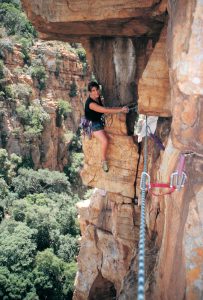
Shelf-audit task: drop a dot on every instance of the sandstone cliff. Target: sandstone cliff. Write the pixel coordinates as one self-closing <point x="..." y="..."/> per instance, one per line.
<point x="53" y="83"/>
<point x="151" y="50"/>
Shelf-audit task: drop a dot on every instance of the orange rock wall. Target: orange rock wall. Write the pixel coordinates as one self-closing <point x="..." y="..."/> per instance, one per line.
<point x="49" y="149"/>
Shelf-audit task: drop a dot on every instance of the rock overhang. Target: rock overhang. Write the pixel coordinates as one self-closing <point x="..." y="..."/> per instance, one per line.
<point x="66" y="20"/>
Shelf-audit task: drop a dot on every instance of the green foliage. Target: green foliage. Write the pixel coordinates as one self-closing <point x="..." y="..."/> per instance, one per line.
<point x="39" y="73"/>
<point x="17" y="246"/>
<point x="88" y="194"/>
<point x="74" y="166"/>
<point x="8" y="91"/>
<point x="73" y="89"/>
<point x="6" y="45"/>
<point x="69" y="273"/>
<point x="66" y="247"/>
<point x="64" y="108"/>
<point x="58" y="63"/>
<point x="1" y="70"/>
<point x="17" y="255"/>
<point x="15" y="21"/>
<point x="27" y="162"/>
<point x="4" y="189"/>
<point x="93" y="78"/>
<point x="31" y="182"/>
<point x="26" y="43"/>
<point x="15" y="286"/>
<point x="4" y="138"/>
<point x="19" y="91"/>
<point x="62" y="111"/>
<point x="33" y="118"/>
<point x="39" y="237"/>
<point x="8" y="165"/>
<point x="15" y="3"/>
<point x="81" y="54"/>
<point x="54" y="278"/>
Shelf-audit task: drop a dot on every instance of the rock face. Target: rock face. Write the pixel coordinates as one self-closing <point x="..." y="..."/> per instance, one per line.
<point x="154" y="98"/>
<point x="109" y="224"/>
<point x="186" y="65"/>
<point x="126" y="49"/>
<point x="121" y="176"/>
<point x="62" y="68"/>
<point x="79" y="18"/>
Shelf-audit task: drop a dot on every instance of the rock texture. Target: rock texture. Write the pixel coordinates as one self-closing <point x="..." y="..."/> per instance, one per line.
<point x="75" y="19"/>
<point x="109" y="224"/>
<point x="186" y="73"/>
<point x="121" y="176"/>
<point x="154" y="97"/>
<point x="62" y="67"/>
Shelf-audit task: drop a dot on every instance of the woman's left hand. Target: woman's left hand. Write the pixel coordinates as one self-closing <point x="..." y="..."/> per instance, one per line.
<point x="125" y="109"/>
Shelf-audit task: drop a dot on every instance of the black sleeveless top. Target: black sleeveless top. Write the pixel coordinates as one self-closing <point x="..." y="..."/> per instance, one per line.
<point x="91" y="114"/>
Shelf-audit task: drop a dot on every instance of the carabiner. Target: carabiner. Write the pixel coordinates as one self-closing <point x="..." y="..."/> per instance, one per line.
<point x="143" y="181"/>
<point x="177" y="180"/>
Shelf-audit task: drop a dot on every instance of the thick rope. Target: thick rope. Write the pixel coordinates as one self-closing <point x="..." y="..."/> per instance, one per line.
<point x="141" y="257"/>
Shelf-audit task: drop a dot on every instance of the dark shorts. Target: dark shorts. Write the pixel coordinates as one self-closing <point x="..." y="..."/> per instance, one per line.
<point x="96" y="126"/>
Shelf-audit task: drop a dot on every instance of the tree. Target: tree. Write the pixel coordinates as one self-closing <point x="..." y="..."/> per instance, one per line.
<point x="17" y="254"/>
<point x="8" y="165"/>
<point x="49" y="276"/>
<point x="32" y="182"/>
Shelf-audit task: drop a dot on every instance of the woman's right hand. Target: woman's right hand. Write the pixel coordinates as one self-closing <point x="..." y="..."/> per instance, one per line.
<point x="125" y="109"/>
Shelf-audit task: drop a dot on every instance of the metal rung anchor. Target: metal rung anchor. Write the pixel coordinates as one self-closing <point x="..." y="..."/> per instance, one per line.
<point x="178" y="181"/>
<point x="145" y="181"/>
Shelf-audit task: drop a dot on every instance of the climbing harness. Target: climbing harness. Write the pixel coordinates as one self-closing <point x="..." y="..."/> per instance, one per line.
<point x="141" y="256"/>
<point x="86" y="127"/>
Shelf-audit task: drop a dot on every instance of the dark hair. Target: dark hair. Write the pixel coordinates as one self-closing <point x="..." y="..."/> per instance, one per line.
<point x="92" y="84"/>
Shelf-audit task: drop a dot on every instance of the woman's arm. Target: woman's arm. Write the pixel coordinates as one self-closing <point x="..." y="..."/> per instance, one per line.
<point x="108" y="110"/>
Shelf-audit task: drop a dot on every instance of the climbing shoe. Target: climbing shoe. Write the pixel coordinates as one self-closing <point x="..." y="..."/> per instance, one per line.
<point x="105" y="166"/>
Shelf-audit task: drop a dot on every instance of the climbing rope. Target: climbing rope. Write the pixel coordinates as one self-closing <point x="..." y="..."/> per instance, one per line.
<point x="141" y="256"/>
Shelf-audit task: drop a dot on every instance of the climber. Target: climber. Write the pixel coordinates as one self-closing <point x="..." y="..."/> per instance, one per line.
<point x="94" y="111"/>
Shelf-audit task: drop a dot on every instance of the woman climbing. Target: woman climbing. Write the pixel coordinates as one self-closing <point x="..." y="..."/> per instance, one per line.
<point x="94" y="111"/>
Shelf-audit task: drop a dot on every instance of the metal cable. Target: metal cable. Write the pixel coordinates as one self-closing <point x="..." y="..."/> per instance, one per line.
<point x="141" y="256"/>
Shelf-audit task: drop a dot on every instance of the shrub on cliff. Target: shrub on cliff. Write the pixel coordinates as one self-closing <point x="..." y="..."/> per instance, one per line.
<point x="39" y="73"/>
<point x="73" y="89"/>
<point x="20" y="91"/>
<point x="62" y="111"/>
<point x="33" y="118"/>
<point x="8" y="165"/>
<point x="15" y="21"/>
<point x="1" y="70"/>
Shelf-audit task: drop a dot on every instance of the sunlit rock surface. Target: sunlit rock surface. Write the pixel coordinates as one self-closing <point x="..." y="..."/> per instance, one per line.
<point x="76" y="18"/>
<point x="153" y="89"/>
<point x="110" y="225"/>
<point x="122" y="158"/>
<point x="186" y="74"/>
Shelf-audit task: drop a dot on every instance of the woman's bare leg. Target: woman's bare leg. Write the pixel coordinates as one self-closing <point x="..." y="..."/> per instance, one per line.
<point x="102" y="137"/>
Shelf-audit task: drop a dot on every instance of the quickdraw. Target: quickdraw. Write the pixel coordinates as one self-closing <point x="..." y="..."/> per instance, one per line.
<point x="177" y="180"/>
